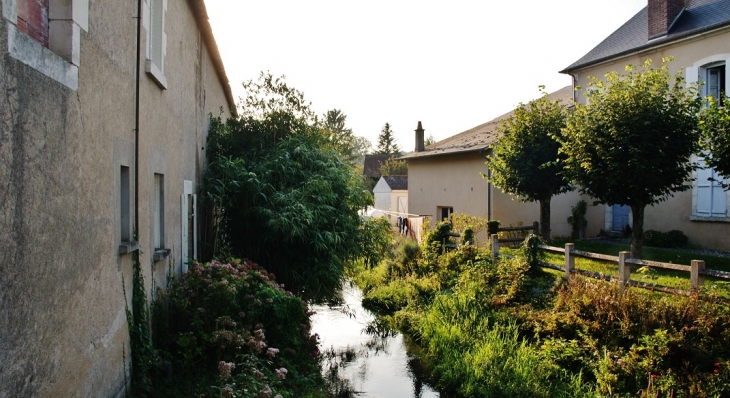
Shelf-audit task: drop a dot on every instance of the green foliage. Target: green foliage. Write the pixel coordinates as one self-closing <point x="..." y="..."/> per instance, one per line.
<point x="429" y="140"/>
<point x="386" y="142"/>
<point x="577" y="219"/>
<point x="526" y="162"/>
<point x="493" y="330"/>
<point x="394" y="167"/>
<point x="229" y="327"/>
<point x="630" y="144"/>
<point x="532" y="253"/>
<point x="281" y="195"/>
<point x="376" y="238"/>
<point x="715" y="128"/>
<point x="350" y="147"/>
<point x="145" y="359"/>
<point x="671" y="239"/>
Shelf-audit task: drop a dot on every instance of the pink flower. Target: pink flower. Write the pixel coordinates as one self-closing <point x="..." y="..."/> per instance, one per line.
<point x="225" y="368"/>
<point x="271" y="352"/>
<point x="266" y="392"/>
<point x="226" y="391"/>
<point x="281" y="373"/>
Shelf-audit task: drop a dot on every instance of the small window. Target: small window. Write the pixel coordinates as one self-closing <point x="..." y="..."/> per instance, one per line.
<point x="715" y="81"/>
<point x="156" y="41"/>
<point x="444" y="213"/>
<point x="158" y="220"/>
<point x="125" y="204"/>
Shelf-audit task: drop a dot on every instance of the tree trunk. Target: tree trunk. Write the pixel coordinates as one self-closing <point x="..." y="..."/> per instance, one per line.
<point x="637" y="232"/>
<point x="545" y="219"/>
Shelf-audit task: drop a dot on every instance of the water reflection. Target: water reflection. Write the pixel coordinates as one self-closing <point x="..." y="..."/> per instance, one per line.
<point x="363" y="356"/>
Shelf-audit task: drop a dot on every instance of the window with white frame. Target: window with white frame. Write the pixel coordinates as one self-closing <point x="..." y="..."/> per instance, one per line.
<point x="154" y="21"/>
<point x="125" y="197"/>
<point x="46" y="35"/>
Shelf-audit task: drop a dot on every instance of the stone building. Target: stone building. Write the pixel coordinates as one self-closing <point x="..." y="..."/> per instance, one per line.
<point x="91" y="148"/>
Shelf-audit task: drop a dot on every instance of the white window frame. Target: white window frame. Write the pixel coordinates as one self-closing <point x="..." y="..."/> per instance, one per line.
<point x="188" y="204"/>
<point x="153" y="19"/>
<point x="60" y="61"/>
<point x="439" y="211"/>
<point x="701" y="187"/>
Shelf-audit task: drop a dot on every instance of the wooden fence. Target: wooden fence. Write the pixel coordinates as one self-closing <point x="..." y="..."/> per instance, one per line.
<point x="696" y="269"/>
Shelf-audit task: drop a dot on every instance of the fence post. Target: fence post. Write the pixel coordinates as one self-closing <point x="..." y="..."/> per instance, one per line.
<point x="536" y="228"/>
<point x="495" y="247"/>
<point x="624" y="270"/>
<point x="696" y="279"/>
<point x="569" y="260"/>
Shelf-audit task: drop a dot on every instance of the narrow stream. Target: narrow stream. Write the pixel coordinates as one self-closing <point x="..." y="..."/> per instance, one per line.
<point x="362" y="358"/>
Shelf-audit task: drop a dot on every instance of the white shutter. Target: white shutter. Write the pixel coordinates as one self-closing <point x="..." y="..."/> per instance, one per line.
<point x="704" y="189"/>
<point x="719" y="200"/>
<point x="184" y="230"/>
<point x="691" y="74"/>
<point x="195" y="227"/>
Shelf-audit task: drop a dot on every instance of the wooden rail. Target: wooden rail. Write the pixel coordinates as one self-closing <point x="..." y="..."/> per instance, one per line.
<point x="696" y="269"/>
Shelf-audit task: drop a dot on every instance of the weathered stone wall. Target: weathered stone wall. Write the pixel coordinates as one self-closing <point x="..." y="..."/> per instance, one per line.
<point x="63" y="329"/>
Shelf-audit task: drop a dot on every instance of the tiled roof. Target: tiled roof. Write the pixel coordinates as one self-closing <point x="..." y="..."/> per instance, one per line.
<point x="698" y="16"/>
<point x="397" y="182"/>
<point x="201" y="16"/>
<point x="372" y="164"/>
<point x="479" y="137"/>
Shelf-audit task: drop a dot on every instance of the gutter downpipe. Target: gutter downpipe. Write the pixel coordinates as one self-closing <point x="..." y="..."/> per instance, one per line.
<point x="136" y="119"/>
<point x="489" y="185"/>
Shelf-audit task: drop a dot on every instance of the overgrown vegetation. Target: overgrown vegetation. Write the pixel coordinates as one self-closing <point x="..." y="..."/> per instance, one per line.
<point x="278" y="191"/>
<point x="509" y="329"/>
<point x="230" y="330"/>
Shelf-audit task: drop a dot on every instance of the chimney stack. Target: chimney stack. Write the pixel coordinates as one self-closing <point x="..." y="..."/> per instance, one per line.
<point x="419" y="138"/>
<point x="662" y="14"/>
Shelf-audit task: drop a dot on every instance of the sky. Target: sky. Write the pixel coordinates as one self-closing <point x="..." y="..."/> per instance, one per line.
<point x="452" y="65"/>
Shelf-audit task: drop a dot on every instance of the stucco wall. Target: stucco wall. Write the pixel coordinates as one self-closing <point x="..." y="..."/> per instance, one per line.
<point x="63" y="330"/>
<point x="675" y="213"/>
<point x="455" y="180"/>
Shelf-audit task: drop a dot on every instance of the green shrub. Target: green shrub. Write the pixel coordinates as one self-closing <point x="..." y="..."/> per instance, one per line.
<point x="671" y="239"/>
<point x="226" y="323"/>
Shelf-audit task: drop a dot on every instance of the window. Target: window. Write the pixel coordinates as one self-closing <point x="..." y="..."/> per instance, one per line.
<point x="715" y="82"/>
<point x="125" y="220"/>
<point x="158" y="218"/>
<point x="46" y="35"/>
<point x="444" y="213"/>
<point x="709" y="200"/>
<point x="154" y="21"/>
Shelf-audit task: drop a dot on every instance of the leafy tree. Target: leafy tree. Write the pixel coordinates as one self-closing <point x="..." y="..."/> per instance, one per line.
<point x="340" y="136"/>
<point x="715" y="128"/>
<point x="630" y="144"/>
<point x="524" y="160"/>
<point x="361" y="147"/>
<point x="279" y="192"/>
<point x="386" y="142"/>
<point x="429" y="140"/>
<point x="394" y="167"/>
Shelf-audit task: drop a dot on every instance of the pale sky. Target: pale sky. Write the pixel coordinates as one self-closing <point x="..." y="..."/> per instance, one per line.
<point x="450" y="64"/>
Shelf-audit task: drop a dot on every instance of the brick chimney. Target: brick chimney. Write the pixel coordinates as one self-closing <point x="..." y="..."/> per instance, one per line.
<point x="419" y="138"/>
<point x="662" y="14"/>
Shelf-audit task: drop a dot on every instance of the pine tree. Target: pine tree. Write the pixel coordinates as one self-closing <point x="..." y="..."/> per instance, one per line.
<point x="386" y="142"/>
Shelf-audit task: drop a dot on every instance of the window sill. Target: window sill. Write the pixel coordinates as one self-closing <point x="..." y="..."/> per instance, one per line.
<point x="30" y="52"/>
<point x="156" y="74"/>
<point x="160" y="254"/>
<point x="709" y="219"/>
<point x="128" y="247"/>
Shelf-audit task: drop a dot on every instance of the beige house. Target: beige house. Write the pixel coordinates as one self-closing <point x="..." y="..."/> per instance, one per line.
<point x="697" y="34"/>
<point x="391" y="194"/>
<point x="100" y="137"/>
<point x="447" y="177"/>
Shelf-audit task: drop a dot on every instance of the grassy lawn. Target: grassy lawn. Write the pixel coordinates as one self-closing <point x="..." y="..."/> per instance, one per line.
<point x="669" y="278"/>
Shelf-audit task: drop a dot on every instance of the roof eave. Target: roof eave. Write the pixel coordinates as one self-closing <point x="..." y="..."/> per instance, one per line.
<point x="475" y="149"/>
<point x="201" y="16"/>
<point x="656" y="43"/>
